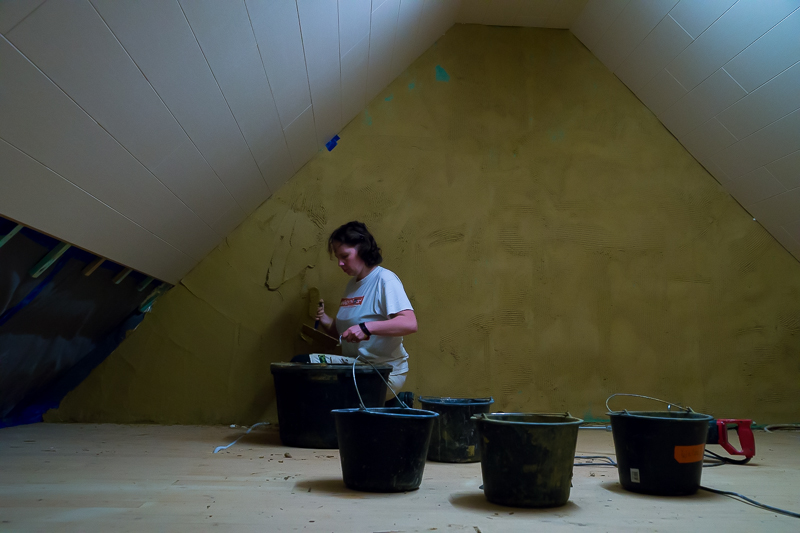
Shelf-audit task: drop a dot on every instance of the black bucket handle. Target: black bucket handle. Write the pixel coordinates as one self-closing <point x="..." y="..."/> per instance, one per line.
<point x="355" y="384"/>
<point x="669" y="404"/>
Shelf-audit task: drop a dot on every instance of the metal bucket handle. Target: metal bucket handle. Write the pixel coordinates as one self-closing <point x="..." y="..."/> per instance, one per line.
<point x="669" y="404"/>
<point x="355" y="383"/>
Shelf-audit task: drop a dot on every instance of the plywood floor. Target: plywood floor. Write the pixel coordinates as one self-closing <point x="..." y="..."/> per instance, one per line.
<point x="98" y="478"/>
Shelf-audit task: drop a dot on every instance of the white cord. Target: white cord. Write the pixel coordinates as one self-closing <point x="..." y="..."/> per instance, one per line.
<point x="220" y="448"/>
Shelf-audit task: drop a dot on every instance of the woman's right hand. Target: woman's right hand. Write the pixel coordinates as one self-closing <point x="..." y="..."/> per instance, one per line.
<point x="323" y="318"/>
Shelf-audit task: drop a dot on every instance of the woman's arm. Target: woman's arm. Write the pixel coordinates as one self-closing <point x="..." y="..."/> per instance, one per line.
<point x="398" y="325"/>
<point x="328" y="324"/>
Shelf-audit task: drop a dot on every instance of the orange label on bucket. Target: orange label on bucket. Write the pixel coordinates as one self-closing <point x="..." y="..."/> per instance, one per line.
<point x="689" y="454"/>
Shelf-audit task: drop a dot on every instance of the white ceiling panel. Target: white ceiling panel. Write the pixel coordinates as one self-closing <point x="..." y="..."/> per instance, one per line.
<point x="629" y="29"/>
<point x="353" y="23"/>
<point x="320" y="30"/>
<point x="708" y="139"/>
<point x="695" y="16"/>
<point x="354" y="79"/>
<point x="158" y="37"/>
<point x="188" y="175"/>
<point x="405" y="41"/>
<point x="755" y="186"/>
<point x="490" y="12"/>
<point x="277" y="30"/>
<point x="787" y="170"/>
<point x="777" y="140"/>
<point x="779" y="97"/>
<point x="714" y="94"/>
<point x="735" y="30"/>
<point x="41" y="121"/>
<point x="595" y="19"/>
<point x="381" y="45"/>
<point x="226" y="38"/>
<point x="661" y="92"/>
<point x="53" y="205"/>
<point x="12" y="12"/>
<point x="85" y="60"/>
<point x="301" y="137"/>
<point x="776" y="51"/>
<point x="661" y="46"/>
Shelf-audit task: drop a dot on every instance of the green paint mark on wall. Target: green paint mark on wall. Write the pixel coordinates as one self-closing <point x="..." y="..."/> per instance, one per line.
<point x="441" y="74"/>
<point x="389" y="98"/>
<point x="367" y="118"/>
<point x="411" y="85"/>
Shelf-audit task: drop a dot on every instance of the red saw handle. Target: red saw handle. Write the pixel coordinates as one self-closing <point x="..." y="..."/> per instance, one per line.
<point x="745" y="433"/>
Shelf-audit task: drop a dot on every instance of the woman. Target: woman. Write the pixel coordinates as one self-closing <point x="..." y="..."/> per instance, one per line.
<point x="374" y="312"/>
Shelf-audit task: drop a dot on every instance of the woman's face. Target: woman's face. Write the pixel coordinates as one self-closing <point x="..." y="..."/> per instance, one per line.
<point x="348" y="259"/>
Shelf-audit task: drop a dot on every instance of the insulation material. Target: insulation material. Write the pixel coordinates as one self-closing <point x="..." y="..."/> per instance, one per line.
<point x="557" y="243"/>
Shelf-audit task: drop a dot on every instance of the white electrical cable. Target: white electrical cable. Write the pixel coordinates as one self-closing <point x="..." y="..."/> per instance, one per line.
<point x="220" y="448"/>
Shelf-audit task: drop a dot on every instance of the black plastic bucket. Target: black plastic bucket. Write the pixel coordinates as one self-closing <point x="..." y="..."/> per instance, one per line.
<point x="527" y="458"/>
<point x="384" y="449"/>
<point x="455" y="436"/>
<point x="306" y="394"/>
<point x="660" y="452"/>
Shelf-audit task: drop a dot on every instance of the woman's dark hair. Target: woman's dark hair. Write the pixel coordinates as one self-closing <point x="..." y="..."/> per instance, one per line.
<point x="357" y="235"/>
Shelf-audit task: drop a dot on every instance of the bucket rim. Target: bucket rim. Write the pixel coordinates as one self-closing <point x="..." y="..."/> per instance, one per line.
<point x="653" y="415"/>
<point x="394" y="412"/>
<point x="443" y="400"/>
<point x="490" y="417"/>
<point x="285" y="367"/>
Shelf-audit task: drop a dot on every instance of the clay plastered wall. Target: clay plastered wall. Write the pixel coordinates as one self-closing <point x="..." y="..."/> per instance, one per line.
<point x="557" y="243"/>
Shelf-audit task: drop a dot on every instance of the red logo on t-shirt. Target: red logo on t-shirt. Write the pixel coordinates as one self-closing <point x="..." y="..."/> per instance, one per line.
<point x="351" y="302"/>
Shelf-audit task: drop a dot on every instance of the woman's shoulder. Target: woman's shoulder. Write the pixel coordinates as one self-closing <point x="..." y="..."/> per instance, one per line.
<point x="384" y="274"/>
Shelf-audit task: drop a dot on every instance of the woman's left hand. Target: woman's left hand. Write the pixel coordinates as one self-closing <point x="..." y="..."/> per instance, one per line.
<point x="354" y="334"/>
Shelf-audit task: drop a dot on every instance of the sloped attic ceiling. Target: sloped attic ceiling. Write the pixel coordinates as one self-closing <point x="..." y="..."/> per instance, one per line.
<point x="146" y="131"/>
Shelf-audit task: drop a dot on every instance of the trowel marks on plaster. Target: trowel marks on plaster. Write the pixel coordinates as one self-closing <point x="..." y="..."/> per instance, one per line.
<point x="441" y="74"/>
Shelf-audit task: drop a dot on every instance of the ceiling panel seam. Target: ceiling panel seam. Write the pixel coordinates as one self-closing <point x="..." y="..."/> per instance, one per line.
<point x="308" y="79"/>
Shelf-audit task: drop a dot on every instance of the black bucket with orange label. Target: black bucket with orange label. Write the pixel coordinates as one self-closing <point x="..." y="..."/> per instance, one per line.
<point x="660" y="452"/>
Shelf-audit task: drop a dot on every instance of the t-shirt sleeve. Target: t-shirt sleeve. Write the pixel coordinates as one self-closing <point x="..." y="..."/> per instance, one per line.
<point x="394" y="295"/>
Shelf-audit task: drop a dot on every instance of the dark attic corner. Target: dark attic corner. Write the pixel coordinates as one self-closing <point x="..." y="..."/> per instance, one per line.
<point x="56" y="322"/>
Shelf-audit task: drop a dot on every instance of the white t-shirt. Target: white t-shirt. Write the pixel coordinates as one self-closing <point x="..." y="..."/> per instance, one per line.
<point x="374" y="298"/>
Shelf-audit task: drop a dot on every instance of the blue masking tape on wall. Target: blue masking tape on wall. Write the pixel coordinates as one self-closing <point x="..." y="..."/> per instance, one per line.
<point x="330" y="145"/>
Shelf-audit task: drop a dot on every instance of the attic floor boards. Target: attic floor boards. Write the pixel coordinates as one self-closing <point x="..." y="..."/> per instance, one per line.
<point x="60" y="477"/>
